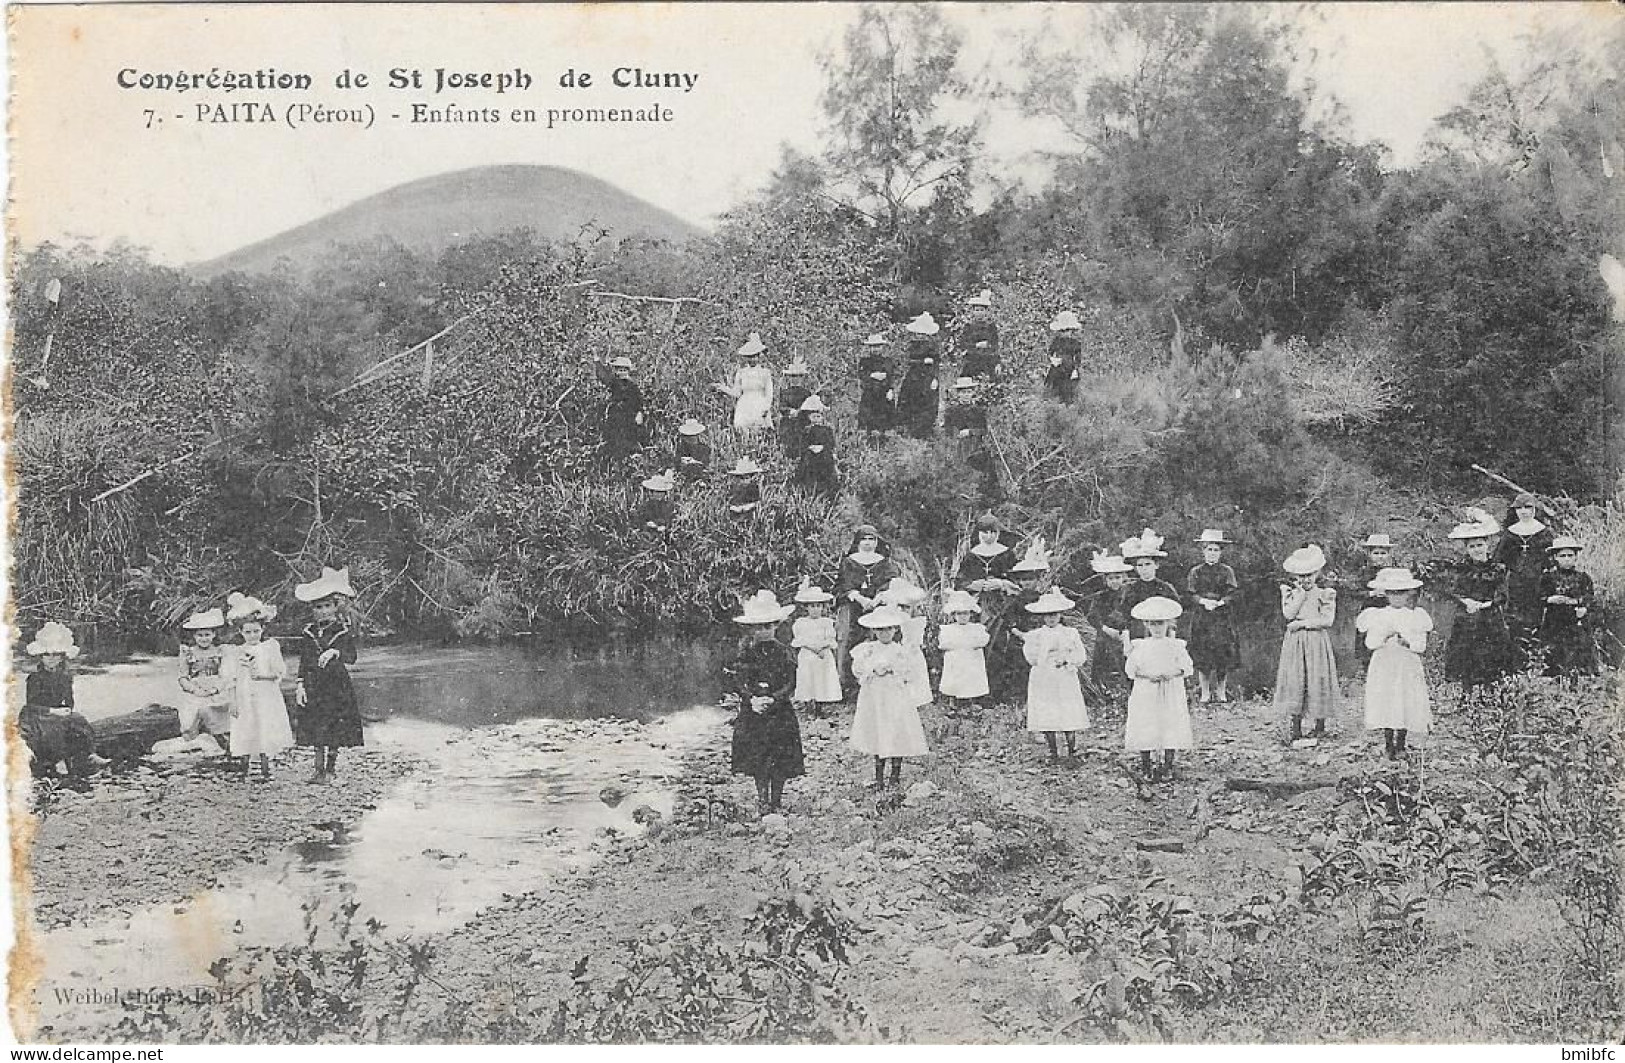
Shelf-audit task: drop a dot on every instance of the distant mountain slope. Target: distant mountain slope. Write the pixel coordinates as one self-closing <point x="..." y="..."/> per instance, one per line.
<point x="430" y="214"/>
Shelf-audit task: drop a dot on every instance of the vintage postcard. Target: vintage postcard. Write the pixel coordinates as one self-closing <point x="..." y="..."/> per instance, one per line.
<point x="815" y="523"/>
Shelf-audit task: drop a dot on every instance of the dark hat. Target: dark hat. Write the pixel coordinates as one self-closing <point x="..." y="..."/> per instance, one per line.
<point x="988" y="522"/>
<point x="865" y="529"/>
<point x="1524" y="499"/>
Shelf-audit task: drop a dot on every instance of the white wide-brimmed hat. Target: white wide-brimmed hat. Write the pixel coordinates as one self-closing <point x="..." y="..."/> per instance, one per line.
<point x="622" y="362"/>
<point x="1305" y="560"/>
<point x="1036" y="559"/>
<point x="1565" y="542"/>
<point x="242" y="607"/>
<point x="1157" y="607"/>
<point x="1051" y="601"/>
<point x="1065" y="320"/>
<point x="1478" y="525"/>
<point x="901" y="592"/>
<point x="1378" y="540"/>
<point x="960" y="602"/>
<point x="332" y="581"/>
<point x="814" y="404"/>
<point x="53" y="637"/>
<point x="664" y="481"/>
<point x="1395" y="579"/>
<point x="1212" y="535"/>
<point x="981" y="298"/>
<point x="796" y="368"/>
<point x="1107" y="564"/>
<point x="924" y="325"/>
<point x="809" y="592"/>
<point x="1147" y="544"/>
<point x="885" y="616"/>
<point x="745" y="466"/>
<point x="691" y="427"/>
<point x="875" y="339"/>
<point x="206" y="620"/>
<point x="762" y="608"/>
<point x="752" y="347"/>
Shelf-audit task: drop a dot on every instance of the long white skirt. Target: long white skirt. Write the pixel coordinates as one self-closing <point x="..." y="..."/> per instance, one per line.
<point x="1396" y="691"/>
<point x="964" y="674"/>
<point x="262" y="724"/>
<point x="1159" y="716"/>
<point x="817" y="678"/>
<point x="887" y="723"/>
<point x="1055" y="700"/>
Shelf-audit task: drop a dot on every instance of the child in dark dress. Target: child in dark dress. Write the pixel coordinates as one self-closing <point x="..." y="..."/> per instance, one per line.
<point x="1568" y="596"/>
<point x="792" y="419"/>
<point x="877" y="391"/>
<point x="692" y="453"/>
<point x="815" y="463"/>
<point x="1480" y="647"/>
<point x="1214" y="646"/>
<point x="766" y="738"/>
<point x="53" y="732"/>
<point x="919" y="393"/>
<point x="329" y="715"/>
<point x="744" y="489"/>
<point x="1143" y="552"/>
<point x="1065" y="357"/>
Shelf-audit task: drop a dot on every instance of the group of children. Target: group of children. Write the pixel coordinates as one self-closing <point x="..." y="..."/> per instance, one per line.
<point x="232" y="690"/>
<point x="868" y="633"/>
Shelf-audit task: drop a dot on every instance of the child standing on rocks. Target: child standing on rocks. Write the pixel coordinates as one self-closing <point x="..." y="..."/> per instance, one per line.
<point x="329" y="715"/>
<point x="818" y="680"/>
<point x="1396" y="691"/>
<point x="1055" y="655"/>
<point x="254" y="670"/>
<point x="905" y="596"/>
<point x="767" y="738"/>
<point x="1306" y="681"/>
<point x="887" y="724"/>
<point x="1159" y="715"/>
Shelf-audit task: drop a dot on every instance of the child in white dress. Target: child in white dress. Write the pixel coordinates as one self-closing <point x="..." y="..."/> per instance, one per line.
<point x="905" y="596"/>
<point x="751" y="389"/>
<point x="254" y="670"/>
<point x="1159" y="714"/>
<point x="1396" y="691"/>
<point x="962" y="639"/>
<point x="1055" y="656"/>
<point x="887" y="723"/>
<point x="818" y="679"/>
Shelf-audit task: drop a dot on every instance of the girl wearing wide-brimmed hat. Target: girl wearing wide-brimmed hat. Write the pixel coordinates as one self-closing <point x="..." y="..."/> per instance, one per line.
<point x="1032" y="576"/>
<point x="1480" y="647"/>
<point x="1159" y="715"/>
<point x="1065" y="357"/>
<point x="1306" y="681"/>
<point x="692" y="453"/>
<point x="204" y="703"/>
<point x="1567" y="598"/>
<point x="767" y="737"/>
<point x="905" y="597"/>
<point x="1055" y="657"/>
<point x="658" y="512"/>
<point x="979" y="339"/>
<point x="1396" y="690"/>
<point x="254" y="671"/>
<point x="918" y="396"/>
<point x="818" y="673"/>
<point x="1523" y="550"/>
<point x="329" y="714"/>
<point x="1104" y="608"/>
<point x="1144" y="553"/>
<point x="887" y="722"/>
<point x="1379" y="554"/>
<point x="961" y="638"/>
<point x="815" y="460"/>
<point x="1212" y="588"/>
<point x="877" y="390"/>
<point x="623" y="422"/>
<point x="53" y="731"/>
<point x="751" y="389"/>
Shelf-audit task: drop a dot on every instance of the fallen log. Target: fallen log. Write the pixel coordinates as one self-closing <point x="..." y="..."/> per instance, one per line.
<point x="132" y="734"/>
<point x="1278" y="787"/>
<point x="1161" y="845"/>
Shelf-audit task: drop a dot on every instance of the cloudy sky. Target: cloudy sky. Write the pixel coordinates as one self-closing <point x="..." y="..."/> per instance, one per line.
<point x="86" y="165"/>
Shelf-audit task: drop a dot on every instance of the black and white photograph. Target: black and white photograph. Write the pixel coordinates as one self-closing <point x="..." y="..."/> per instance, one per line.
<point x="816" y="524"/>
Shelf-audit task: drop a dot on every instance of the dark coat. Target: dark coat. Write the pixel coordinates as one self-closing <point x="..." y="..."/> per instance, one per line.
<point x="693" y="457"/>
<point x="623" y="414"/>
<point x="765" y="744"/>
<point x="877" y="410"/>
<point x="1065" y="357"/>
<point x="816" y="470"/>
<point x="1214" y="646"/>
<point x="1480" y="649"/>
<point x="331" y="715"/>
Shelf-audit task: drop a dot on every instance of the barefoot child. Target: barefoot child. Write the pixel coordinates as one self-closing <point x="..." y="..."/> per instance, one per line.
<point x="1159" y="715"/>
<point x="1055" y="653"/>
<point x="204" y="704"/>
<point x="818" y="680"/>
<point x="53" y="732"/>
<point x="1396" y="692"/>
<point x="962" y="639"/>
<point x="767" y="738"/>
<point x="329" y="715"/>
<point x="254" y="670"/>
<point x="1306" y="681"/>
<point x="887" y="723"/>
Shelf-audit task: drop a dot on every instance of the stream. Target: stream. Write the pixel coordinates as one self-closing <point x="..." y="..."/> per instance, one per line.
<point x="518" y="745"/>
